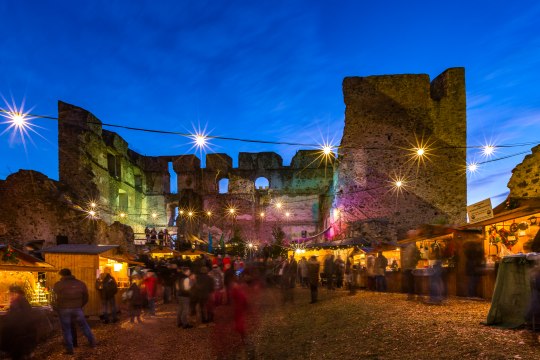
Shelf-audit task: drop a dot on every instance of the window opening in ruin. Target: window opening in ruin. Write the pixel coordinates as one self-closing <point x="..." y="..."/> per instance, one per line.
<point x="114" y="166"/>
<point x="223" y="186"/>
<point x="175" y="216"/>
<point x="123" y="201"/>
<point x="173" y="179"/>
<point x="262" y="183"/>
<point x="138" y="183"/>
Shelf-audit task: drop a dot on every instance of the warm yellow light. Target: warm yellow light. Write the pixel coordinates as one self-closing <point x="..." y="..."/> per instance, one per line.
<point x="190" y="213"/>
<point x="250" y="245"/>
<point x="399" y="183"/>
<point x="117" y="267"/>
<point x="261" y="214"/>
<point x="420" y="151"/>
<point x="287" y="214"/>
<point x="93" y="204"/>
<point x="472" y="167"/>
<point x="327" y="150"/>
<point x="232" y="210"/>
<point x="279" y="205"/>
<point x="92" y="213"/>
<point x="181" y="212"/>
<point x="209" y="213"/>
<point x="154" y="215"/>
<point x="122" y="215"/>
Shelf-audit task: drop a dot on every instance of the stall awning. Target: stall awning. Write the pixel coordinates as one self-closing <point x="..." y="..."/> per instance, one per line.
<point x="24" y="262"/>
<point x="529" y="207"/>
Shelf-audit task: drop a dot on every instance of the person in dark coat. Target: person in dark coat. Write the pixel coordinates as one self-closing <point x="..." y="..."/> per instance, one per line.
<point x="228" y="278"/>
<point x="313" y="277"/>
<point x="107" y="288"/>
<point x="203" y="289"/>
<point x="135" y="300"/>
<point x="71" y="295"/>
<point x="329" y="272"/>
<point x="19" y="330"/>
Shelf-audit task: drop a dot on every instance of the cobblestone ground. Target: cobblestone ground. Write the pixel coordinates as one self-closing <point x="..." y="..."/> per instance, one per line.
<point x="364" y="326"/>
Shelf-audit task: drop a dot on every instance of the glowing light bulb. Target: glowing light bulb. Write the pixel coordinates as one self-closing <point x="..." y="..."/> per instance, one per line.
<point x="190" y="213"/>
<point x="488" y="150"/>
<point x="209" y="213"/>
<point x="472" y="167"/>
<point x="327" y="150"/>
<point x="200" y="140"/>
<point x="420" y="151"/>
<point x="279" y="205"/>
<point x="261" y="214"/>
<point x="122" y="215"/>
<point x="287" y="214"/>
<point x="181" y="212"/>
<point x="154" y="215"/>
<point x="93" y="204"/>
<point x="92" y="213"/>
<point x="399" y="183"/>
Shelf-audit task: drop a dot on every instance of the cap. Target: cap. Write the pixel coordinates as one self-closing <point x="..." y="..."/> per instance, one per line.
<point x="65" y="272"/>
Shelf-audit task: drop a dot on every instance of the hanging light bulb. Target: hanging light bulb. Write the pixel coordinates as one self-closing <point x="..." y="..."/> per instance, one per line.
<point x="488" y="150"/>
<point x="472" y="167"/>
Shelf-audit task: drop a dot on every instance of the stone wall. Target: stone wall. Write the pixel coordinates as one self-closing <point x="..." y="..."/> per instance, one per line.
<point x="34" y="207"/>
<point x="525" y="180"/>
<point x="100" y="167"/>
<point x="386" y="117"/>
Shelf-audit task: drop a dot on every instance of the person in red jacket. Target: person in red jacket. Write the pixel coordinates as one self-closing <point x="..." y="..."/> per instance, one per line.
<point x="150" y="284"/>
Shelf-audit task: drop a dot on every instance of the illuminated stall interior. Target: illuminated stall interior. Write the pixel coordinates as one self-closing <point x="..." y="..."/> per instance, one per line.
<point x="26" y="271"/>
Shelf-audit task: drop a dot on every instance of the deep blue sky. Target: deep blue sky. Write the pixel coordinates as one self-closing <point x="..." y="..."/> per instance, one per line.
<point x="262" y="69"/>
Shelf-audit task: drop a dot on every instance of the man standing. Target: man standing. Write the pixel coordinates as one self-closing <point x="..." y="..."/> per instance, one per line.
<point x="107" y="288"/>
<point x="380" y="272"/>
<point x="71" y="296"/>
<point x="184" y="283"/>
<point x="313" y="275"/>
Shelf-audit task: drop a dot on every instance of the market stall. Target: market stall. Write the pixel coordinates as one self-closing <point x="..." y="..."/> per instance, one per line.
<point x="86" y="263"/>
<point x="164" y="253"/>
<point x="26" y="271"/>
<point x="445" y="246"/>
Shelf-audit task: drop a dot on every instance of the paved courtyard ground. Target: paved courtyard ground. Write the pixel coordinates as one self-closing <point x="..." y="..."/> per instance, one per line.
<point x="364" y="326"/>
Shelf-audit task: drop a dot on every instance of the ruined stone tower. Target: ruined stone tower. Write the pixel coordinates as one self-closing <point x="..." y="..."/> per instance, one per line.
<point x="386" y="117"/>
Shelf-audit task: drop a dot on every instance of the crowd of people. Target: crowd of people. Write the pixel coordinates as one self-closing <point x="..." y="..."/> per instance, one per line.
<point x="161" y="237"/>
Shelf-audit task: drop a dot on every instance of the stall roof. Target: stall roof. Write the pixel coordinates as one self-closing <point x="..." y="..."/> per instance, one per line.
<point x="27" y="262"/>
<point x="527" y="207"/>
<point x="88" y="249"/>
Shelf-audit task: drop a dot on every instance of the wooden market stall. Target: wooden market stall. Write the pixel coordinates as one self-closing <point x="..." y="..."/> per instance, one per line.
<point x="195" y="253"/>
<point x="448" y="245"/>
<point x="511" y="232"/>
<point x="164" y="253"/>
<point x="26" y="271"/>
<point x="86" y="263"/>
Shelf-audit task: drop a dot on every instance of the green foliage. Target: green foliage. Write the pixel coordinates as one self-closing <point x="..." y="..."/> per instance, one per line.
<point x="238" y="243"/>
<point x="277" y="247"/>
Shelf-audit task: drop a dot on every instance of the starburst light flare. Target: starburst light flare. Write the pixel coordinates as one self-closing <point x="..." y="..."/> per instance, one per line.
<point x="398" y="184"/>
<point x="472" y="167"/>
<point x="19" y="122"/>
<point x="488" y="150"/>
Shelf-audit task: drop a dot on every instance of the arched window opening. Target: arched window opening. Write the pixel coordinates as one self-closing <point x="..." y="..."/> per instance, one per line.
<point x="262" y="183"/>
<point x="223" y="186"/>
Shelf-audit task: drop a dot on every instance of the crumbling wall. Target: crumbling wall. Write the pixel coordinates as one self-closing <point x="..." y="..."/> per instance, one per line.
<point x="34" y="207"/>
<point x="525" y="180"/>
<point x="385" y="118"/>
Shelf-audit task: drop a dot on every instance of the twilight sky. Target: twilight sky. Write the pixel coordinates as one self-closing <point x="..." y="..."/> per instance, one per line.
<point x="267" y="70"/>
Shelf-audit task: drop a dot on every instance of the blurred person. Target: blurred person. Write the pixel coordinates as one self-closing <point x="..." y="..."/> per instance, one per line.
<point x="135" y="299"/>
<point x="409" y="259"/>
<point x="19" y="330"/>
<point x="218" y="277"/>
<point x="240" y="308"/>
<point x="339" y="270"/>
<point x="436" y="284"/>
<point x="150" y="291"/>
<point x="202" y="290"/>
<point x="293" y="271"/>
<point x="381" y="262"/>
<point x="184" y="283"/>
<point x="474" y="258"/>
<point x="313" y="276"/>
<point x="228" y="278"/>
<point x="370" y="271"/>
<point x="329" y="271"/>
<point x="302" y="265"/>
<point x="107" y="287"/>
<point x="70" y="297"/>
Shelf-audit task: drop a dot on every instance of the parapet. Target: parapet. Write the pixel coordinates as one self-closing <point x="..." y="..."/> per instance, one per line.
<point x="219" y="162"/>
<point x="186" y="163"/>
<point x="308" y="159"/>
<point x="261" y="161"/>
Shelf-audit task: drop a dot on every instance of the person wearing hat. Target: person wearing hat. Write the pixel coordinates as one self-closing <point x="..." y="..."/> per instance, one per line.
<point x="71" y="295"/>
<point x="19" y="330"/>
